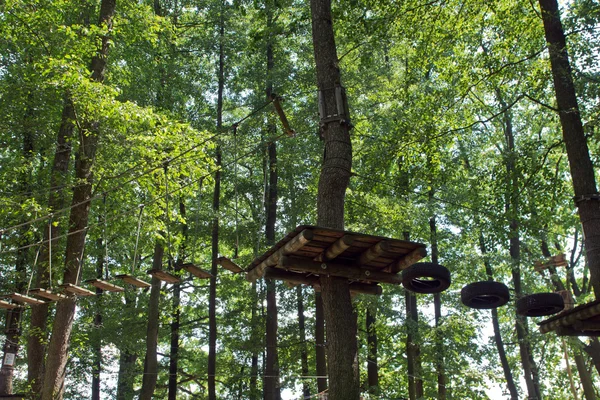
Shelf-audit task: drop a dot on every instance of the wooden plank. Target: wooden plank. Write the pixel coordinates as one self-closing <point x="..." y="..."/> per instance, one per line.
<point x="163" y="275"/>
<point x="106" y="286"/>
<point x="296" y="243"/>
<point x="7" y="306"/>
<point x="337" y="248"/>
<point x="21" y="298"/>
<point x="76" y="290"/>
<point x="341" y="270"/>
<point x="284" y="121"/>
<point x="408" y="260"/>
<point x="294" y="278"/>
<point x="587" y="325"/>
<point x="229" y="265"/>
<point x="47" y="294"/>
<point x="133" y="281"/>
<point x="197" y="272"/>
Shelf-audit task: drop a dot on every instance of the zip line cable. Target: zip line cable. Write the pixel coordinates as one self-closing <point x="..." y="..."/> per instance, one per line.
<point x="129" y="211"/>
<point x="146" y="172"/>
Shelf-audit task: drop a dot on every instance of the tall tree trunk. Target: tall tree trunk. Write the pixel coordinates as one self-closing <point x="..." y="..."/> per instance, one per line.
<point x="151" y="360"/>
<point x="512" y="210"/>
<point x="372" y="367"/>
<point x="212" y="300"/>
<point x="13" y="317"/>
<point x="127" y="365"/>
<point x="36" y="348"/>
<point x="437" y="304"/>
<point x="342" y="349"/>
<point x="271" y="385"/>
<point x="413" y="349"/>
<point x="97" y="339"/>
<point x="508" y="376"/>
<point x="254" y="394"/>
<point x="593" y="350"/>
<point x="582" y="169"/>
<point x="302" y="334"/>
<point x="56" y="362"/>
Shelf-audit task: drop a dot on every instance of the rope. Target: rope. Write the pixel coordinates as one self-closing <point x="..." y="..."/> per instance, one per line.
<point x="37" y="254"/>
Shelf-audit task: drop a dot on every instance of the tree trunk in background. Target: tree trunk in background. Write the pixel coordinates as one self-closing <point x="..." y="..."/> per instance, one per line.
<point x="212" y="299"/>
<point x="36" y="348"/>
<point x="593" y="350"/>
<point x="372" y="367"/>
<point x="127" y="364"/>
<point x="582" y="169"/>
<point x="510" y="382"/>
<point x="13" y="317"/>
<point x="56" y="361"/>
<point x="302" y="334"/>
<point x="342" y="351"/>
<point x="151" y="361"/>
<point x="254" y="393"/>
<point x="437" y="303"/>
<point x="271" y="385"/>
<point x="413" y="349"/>
<point x="97" y="338"/>
<point x="512" y="212"/>
<point x="320" y="352"/>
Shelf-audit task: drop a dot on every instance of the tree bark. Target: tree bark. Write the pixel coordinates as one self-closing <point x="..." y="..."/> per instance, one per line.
<point x="437" y="304"/>
<point x="36" y="347"/>
<point x="212" y="299"/>
<point x="97" y="339"/>
<point x="54" y="374"/>
<point x="372" y="367"/>
<point x="581" y="167"/>
<point x="320" y="351"/>
<point x="335" y="175"/>
<point x="586" y="380"/>
<point x="413" y="350"/>
<point x="151" y="360"/>
<point x="510" y="382"/>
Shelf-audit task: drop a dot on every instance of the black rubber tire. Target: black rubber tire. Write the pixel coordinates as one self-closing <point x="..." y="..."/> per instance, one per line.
<point x="484" y="295"/>
<point x="540" y="304"/>
<point x="426" y="278"/>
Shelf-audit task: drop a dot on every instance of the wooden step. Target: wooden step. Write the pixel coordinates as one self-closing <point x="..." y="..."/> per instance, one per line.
<point x="107" y="287"/>
<point x="47" y="294"/>
<point x="197" y="272"/>
<point x="164" y="276"/>
<point x="133" y="281"/>
<point x="21" y="298"/>
<point x="76" y="290"/>
<point x="7" y="306"/>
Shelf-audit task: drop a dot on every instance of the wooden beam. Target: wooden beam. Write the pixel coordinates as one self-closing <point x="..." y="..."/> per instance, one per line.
<point x="47" y="294"/>
<point x="284" y="121"/>
<point x="133" y="281"/>
<point x="229" y="265"/>
<point x="587" y="325"/>
<point x="341" y="270"/>
<point x="341" y="245"/>
<point x="21" y="298"/>
<point x="408" y="260"/>
<point x="107" y="287"/>
<point x="7" y="306"/>
<point x="373" y="252"/>
<point x="295" y="244"/>
<point x="303" y="279"/>
<point x="164" y="275"/>
<point x="197" y="272"/>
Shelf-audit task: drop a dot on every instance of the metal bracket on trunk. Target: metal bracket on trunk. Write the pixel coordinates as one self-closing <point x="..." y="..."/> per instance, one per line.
<point x="586" y="197"/>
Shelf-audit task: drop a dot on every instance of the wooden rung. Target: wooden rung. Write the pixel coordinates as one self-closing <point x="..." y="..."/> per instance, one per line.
<point x="133" y="281"/>
<point x="408" y="260"/>
<point x="7" y="306"/>
<point x="21" y="298"/>
<point x="337" y="248"/>
<point x="373" y="252"/>
<point x="229" y="265"/>
<point x="108" y="287"/>
<point x="47" y="294"/>
<point x="76" y="290"/>
<point x="164" y="276"/>
<point x="197" y="272"/>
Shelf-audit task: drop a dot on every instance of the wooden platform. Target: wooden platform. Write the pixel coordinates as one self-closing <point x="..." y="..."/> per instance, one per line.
<point x="583" y="320"/>
<point x="7" y="306"/>
<point x="164" y="276"/>
<point x="47" y="294"/>
<point x="229" y="265"/>
<point x="133" y="281"/>
<point x="558" y="260"/>
<point x="106" y="286"/>
<point x="197" y="272"/>
<point x="21" y="298"/>
<point x="311" y="251"/>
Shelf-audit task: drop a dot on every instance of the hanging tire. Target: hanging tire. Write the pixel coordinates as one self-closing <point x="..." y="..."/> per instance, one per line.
<point x="484" y="295"/>
<point x="426" y="278"/>
<point x="540" y="304"/>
